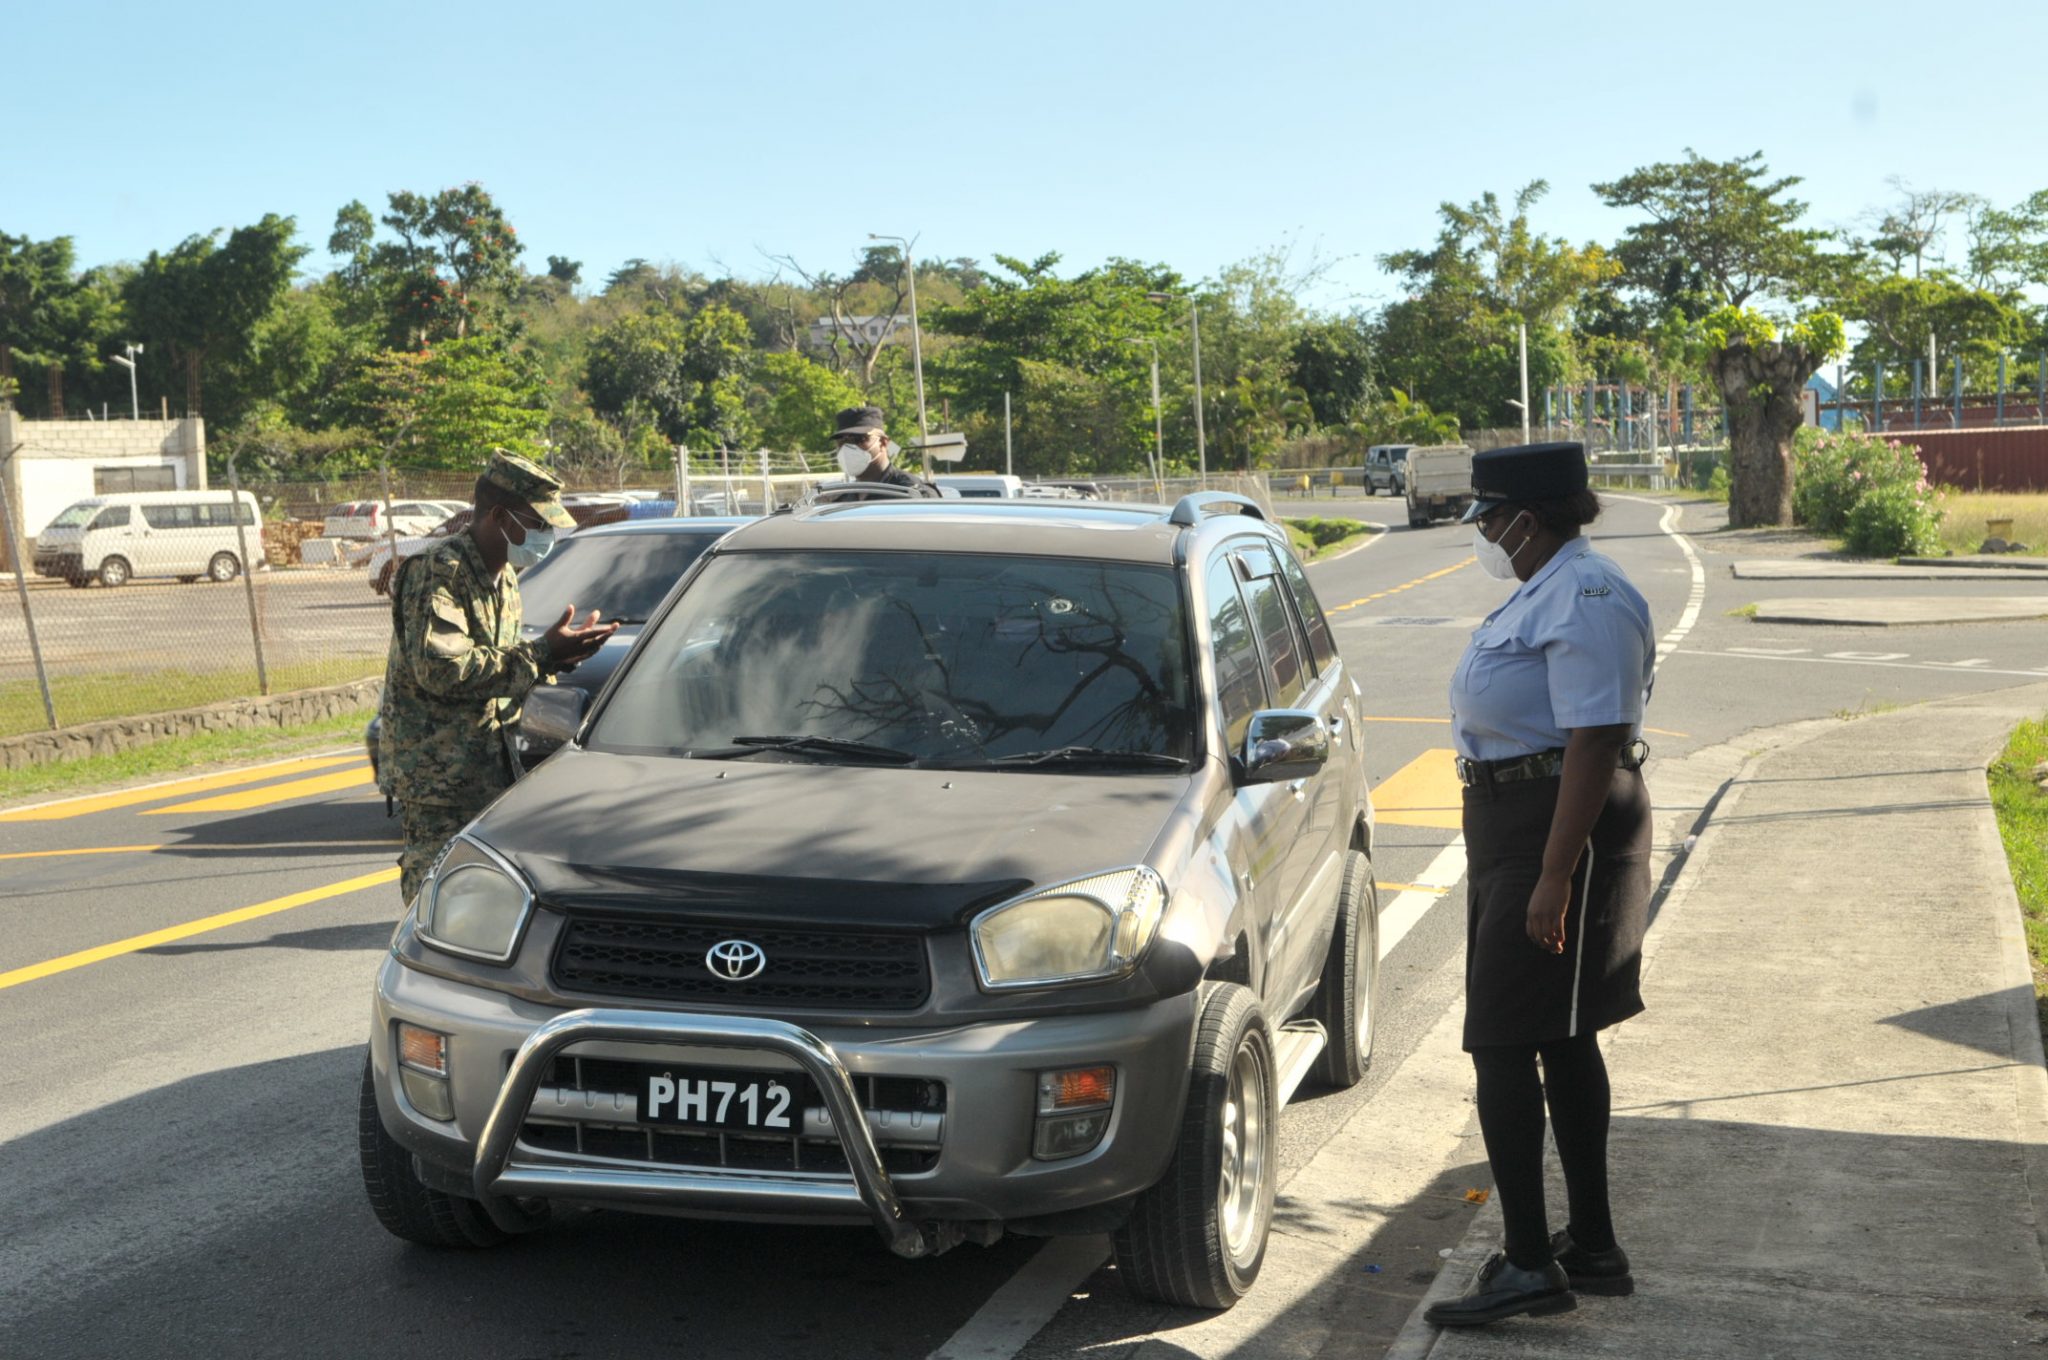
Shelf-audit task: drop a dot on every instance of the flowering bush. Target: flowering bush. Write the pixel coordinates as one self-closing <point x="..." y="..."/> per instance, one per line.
<point x="1895" y="520"/>
<point x="1832" y="473"/>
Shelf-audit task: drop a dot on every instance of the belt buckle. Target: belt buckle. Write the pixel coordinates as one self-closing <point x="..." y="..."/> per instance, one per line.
<point x="1467" y="775"/>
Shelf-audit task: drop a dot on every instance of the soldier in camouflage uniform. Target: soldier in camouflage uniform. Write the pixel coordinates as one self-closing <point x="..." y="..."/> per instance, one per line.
<point x="458" y="673"/>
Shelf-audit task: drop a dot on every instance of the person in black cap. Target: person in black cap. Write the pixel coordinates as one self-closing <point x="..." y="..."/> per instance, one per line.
<point x="866" y="453"/>
<point x="1546" y="713"/>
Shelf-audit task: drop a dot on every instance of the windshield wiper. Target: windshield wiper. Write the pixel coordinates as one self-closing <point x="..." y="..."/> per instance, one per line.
<point x="1097" y="756"/>
<point x="823" y="746"/>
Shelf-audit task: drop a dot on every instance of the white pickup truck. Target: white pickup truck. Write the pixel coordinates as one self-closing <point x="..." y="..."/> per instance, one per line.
<point x="1439" y="483"/>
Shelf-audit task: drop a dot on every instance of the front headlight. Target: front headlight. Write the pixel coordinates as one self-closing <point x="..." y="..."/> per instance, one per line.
<point x="474" y="905"/>
<point x="1082" y="931"/>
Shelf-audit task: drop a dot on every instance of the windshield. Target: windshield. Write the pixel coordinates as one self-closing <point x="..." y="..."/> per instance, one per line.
<point x="625" y="575"/>
<point x="950" y="659"/>
<point x="75" y="515"/>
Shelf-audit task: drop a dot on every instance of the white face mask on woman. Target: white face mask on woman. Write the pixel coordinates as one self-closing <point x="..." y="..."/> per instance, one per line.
<point x="854" y="460"/>
<point x="1495" y="560"/>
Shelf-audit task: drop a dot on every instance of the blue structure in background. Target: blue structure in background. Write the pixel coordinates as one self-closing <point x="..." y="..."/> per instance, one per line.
<point x="1829" y="420"/>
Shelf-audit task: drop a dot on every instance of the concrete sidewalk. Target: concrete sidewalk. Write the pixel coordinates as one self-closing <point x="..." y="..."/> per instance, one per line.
<point x="1831" y="1126"/>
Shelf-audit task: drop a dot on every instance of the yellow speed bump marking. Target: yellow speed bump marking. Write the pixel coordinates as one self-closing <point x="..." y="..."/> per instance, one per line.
<point x="65" y="963"/>
<point x="1653" y="731"/>
<point x="1424" y="792"/>
<point x="1405" y="585"/>
<point x="269" y="793"/>
<point x="104" y="802"/>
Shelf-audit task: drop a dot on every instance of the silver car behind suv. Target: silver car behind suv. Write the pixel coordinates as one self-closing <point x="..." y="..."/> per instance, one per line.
<point x="957" y="867"/>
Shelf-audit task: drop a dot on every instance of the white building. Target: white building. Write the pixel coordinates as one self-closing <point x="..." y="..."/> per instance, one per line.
<point x="56" y="462"/>
<point x="868" y="330"/>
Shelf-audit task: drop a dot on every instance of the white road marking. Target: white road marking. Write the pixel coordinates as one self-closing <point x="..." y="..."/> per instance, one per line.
<point x="1973" y="661"/>
<point x="1028" y="1300"/>
<point x="1770" y="651"/>
<point x="1402" y="914"/>
<point x="1695" y="599"/>
<point x="1867" y="656"/>
<point x="1841" y="660"/>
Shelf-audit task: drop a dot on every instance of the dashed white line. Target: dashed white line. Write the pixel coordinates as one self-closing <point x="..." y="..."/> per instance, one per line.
<point x="1400" y="916"/>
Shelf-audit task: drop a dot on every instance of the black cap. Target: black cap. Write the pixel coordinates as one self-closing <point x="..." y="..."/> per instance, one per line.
<point x="860" y="420"/>
<point x="1523" y="473"/>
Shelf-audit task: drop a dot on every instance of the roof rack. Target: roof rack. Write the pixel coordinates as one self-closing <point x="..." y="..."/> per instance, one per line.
<point x="1190" y="508"/>
<point x="832" y="493"/>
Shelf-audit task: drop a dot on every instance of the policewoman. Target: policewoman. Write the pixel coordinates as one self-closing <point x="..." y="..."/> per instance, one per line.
<point x="1546" y="713"/>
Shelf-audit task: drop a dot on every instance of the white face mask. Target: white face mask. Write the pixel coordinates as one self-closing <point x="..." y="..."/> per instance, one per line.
<point x="539" y="543"/>
<point x="1495" y="560"/>
<point x="853" y="459"/>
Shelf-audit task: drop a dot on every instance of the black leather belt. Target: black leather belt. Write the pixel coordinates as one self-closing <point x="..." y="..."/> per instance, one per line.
<point x="1541" y="765"/>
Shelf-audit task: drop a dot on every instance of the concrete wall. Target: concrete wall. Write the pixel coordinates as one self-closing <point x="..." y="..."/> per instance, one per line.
<point x="125" y="734"/>
<point x="55" y="462"/>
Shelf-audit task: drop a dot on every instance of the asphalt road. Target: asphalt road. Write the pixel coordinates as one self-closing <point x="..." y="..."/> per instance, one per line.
<point x="184" y="985"/>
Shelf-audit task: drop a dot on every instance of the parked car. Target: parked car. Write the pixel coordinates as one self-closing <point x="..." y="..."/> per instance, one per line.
<point x="368" y="519"/>
<point x="382" y="557"/>
<point x="956" y="867"/>
<point x="117" y="537"/>
<point x="1087" y="491"/>
<point x="1386" y="469"/>
<point x="623" y="570"/>
<point x="981" y="485"/>
<point x="1439" y="483"/>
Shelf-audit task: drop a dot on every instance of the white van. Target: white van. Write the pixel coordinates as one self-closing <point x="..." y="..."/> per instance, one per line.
<point x="114" y="538"/>
<point x="982" y="485"/>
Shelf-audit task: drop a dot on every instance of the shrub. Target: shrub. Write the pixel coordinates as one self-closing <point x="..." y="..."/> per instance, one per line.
<point x="1832" y="472"/>
<point x="1894" y="520"/>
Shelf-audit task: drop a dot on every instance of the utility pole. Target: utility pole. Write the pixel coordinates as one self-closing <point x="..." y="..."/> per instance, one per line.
<point x="924" y="433"/>
<point x="1195" y="330"/>
<point x="1522" y="340"/>
<point x="1007" y="469"/>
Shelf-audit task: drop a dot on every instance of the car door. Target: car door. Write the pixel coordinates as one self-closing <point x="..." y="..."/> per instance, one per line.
<point x="1311" y="872"/>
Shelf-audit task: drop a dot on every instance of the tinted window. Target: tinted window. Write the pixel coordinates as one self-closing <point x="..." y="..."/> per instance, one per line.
<point x="945" y="656"/>
<point x="170" y="516"/>
<point x="625" y="575"/>
<point x="226" y="514"/>
<point x="1319" y="644"/>
<point x="1285" y="674"/>
<point x="113" y="517"/>
<point x="1240" y="691"/>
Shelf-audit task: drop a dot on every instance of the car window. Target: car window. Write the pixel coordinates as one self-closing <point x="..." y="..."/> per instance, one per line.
<point x="1279" y="640"/>
<point x="946" y="656"/>
<point x="625" y="575"/>
<point x="170" y="516"/>
<point x="226" y="514"/>
<point x="113" y="517"/>
<point x="1319" y="644"/>
<point x="1240" y="690"/>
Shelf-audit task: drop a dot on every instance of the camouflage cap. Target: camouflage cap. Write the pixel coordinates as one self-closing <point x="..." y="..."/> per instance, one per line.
<point x="530" y="482"/>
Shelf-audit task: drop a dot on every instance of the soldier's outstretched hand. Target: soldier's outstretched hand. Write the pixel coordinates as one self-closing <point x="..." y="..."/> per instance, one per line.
<point x="568" y="642"/>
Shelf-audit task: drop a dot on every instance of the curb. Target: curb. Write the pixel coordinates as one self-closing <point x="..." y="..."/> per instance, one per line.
<point x="1379" y="531"/>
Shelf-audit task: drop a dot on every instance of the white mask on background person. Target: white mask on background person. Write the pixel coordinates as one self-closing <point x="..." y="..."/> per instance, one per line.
<point x="1495" y="560"/>
<point x="853" y="459"/>
<point x="539" y="543"/>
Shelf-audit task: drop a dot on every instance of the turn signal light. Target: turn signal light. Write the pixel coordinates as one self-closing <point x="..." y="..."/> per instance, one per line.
<point x="1079" y="1088"/>
<point x="423" y="1050"/>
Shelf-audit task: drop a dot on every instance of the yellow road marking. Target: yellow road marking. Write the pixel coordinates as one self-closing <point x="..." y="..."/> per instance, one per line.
<point x="1424" y="792"/>
<point x="103" y="802"/>
<point x="65" y="963"/>
<point x="1653" y="731"/>
<point x="1431" y="889"/>
<point x="1405" y="585"/>
<point x="270" y="793"/>
<point x="96" y="850"/>
<point x="200" y="847"/>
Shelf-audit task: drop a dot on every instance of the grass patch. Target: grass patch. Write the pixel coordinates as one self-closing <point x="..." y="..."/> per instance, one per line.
<point x="177" y="755"/>
<point x="1744" y="611"/>
<point x="1316" y="537"/>
<point x="2022" y="810"/>
<point x="1964" y="512"/>
<point x="93" y="696"/>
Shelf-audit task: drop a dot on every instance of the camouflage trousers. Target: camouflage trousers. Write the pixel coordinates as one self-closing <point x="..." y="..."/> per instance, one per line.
<point x="426" y="828"/>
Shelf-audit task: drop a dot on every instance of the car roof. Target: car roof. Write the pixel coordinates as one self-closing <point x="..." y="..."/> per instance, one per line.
<point x="1099" y="530"/>
<point x="700" y="524"/>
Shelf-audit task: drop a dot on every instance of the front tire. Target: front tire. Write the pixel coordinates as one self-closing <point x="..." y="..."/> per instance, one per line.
<point x="403" y="1204"/>
<point x="115" y="572"/>
<point x="225" y="566"/>
<point x="1347" y="1000"/>
<point x="1198" y="1237"/>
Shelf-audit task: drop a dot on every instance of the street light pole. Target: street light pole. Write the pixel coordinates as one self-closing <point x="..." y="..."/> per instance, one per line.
<point x="1158" y="420"/>
<point x="1195" y="327"/>
<point x="916" y="348"/>
<point x="1522" y="336"/>
<point x="134" y="405"/>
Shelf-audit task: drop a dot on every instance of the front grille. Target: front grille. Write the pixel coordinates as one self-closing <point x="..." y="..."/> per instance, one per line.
<point x="806" y="967"/>
<point x="815" y="1151"/>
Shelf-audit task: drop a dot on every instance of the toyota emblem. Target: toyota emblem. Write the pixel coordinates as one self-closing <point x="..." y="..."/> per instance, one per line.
<point x="735" y="960"/>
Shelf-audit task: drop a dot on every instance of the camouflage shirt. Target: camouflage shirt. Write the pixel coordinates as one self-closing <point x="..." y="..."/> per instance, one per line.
<point x="456" y="677"/>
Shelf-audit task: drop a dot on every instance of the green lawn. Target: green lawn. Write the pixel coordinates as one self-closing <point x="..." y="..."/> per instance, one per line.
<point x="90" y="697"/>
<point x="1314" y="537"/>
<point x="1964" y="513"/>
<point x="177" y="755"/>
<point x="2023" y="825"/>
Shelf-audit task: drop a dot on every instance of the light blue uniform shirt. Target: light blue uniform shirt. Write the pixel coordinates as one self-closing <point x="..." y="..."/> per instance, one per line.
<point x="1572" y="647"/>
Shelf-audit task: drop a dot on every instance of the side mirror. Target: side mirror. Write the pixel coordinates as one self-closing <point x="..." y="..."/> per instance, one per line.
<point x="551" y="717"/>
<point x="1283" y="744"/>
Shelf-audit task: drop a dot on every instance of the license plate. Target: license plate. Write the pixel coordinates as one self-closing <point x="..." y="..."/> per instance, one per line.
<point x="717" y="1098"/>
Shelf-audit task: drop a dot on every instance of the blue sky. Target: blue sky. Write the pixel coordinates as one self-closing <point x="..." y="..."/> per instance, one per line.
<point x="1192" y="133"/>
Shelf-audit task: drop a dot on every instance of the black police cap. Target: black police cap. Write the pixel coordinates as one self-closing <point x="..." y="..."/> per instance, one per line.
<point x="1522" y="473"/>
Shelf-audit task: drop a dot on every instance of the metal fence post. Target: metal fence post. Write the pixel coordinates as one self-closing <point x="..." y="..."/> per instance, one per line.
<point x="28" y="616"/>
<point x="1877" y="399"/>
<point x="249" y="579"/>
<point x="1999" y="418"/>
<point x="1917" y="388"/>
<point x="1958" y="421"/>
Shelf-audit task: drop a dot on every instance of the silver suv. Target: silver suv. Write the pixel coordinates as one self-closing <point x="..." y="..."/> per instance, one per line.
<point x="957" y="867"/>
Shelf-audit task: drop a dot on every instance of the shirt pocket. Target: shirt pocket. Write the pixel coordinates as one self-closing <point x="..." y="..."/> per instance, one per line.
<point x="1482" y="661"/>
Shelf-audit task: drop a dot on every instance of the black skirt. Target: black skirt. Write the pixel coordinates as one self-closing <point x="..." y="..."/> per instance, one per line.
<point x="1515" y="991"/>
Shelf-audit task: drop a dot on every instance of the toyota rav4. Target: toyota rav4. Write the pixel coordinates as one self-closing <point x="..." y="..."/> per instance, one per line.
<point x="956" y="867"/>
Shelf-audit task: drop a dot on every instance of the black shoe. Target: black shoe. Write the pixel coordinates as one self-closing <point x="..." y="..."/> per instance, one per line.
<point x="1505" y="1290"/>
<point x="1592" y="1272"/>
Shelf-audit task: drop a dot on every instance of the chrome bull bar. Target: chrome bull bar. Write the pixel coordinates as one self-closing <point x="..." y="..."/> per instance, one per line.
<point x="498" y="1182"/>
